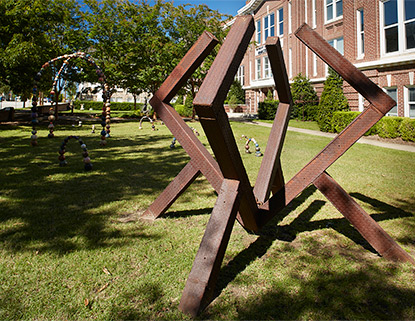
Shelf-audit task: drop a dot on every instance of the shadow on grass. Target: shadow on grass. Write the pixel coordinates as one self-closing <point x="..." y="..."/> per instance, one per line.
<point x="46" y="207"/>
<point x="272" y="231"/>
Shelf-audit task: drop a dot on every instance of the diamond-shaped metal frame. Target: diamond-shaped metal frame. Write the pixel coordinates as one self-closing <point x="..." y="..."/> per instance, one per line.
<point x="253" y="207"/>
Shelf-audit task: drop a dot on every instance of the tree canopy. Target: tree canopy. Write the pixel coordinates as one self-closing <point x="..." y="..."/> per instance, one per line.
<point x="137" y="45"/>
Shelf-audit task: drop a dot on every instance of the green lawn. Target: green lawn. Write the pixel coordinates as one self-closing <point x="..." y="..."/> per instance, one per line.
<point x="72" y="246"/>
<point x="297" y="123"/>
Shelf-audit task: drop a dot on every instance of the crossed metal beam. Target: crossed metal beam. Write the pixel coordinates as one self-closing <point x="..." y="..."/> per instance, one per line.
<point x="253" y="207"/>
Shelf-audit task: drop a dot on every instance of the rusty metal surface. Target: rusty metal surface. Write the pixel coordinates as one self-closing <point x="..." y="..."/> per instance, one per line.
<point x="180" y="183"/>
<point x="367" y="226"/>
<point x="351" y="133"/>
<point x="345" y="68"/>
<point x="201" y="282"/>
<point x="270" y="176"/>
<point x="208" y="104"/>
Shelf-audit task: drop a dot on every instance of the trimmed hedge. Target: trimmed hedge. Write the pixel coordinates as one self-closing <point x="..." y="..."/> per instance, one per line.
<point x="387" y="127"/>
<point x="267" y="109"/>
<point x="183" y="110"/>
<point x="97" y="105"/>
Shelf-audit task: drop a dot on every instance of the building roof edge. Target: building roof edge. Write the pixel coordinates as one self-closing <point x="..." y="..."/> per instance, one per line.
<point x="250" y="7"/>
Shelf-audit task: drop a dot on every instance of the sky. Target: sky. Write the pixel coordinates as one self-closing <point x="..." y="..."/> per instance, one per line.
<point x="230" y="7"/>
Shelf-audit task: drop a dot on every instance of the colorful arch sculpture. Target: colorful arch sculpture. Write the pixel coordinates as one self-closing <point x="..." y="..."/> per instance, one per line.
<point x="106" y="109"/>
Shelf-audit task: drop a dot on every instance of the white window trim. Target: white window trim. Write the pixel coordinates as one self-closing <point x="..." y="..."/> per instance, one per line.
<point x="258" y="38"/>
<point x="264" y="70"/>
<point x="279" y="34"/>
<point x="314" y="64"/>
<point x="401" y="30"/>
<point x="313" y="8"/>
<point x="385" y="89"/>
<point x="361" y="103"/>
<point x="257" y="69"/>
<point x="305" y="11"/>
<point x="406" y="100"/>
<point x="360" y="45"/>
<point x="269" y="26"/>
<point x="334" y="13"/>
<point x="289" y="18"/>
<point x="290" y="63"/>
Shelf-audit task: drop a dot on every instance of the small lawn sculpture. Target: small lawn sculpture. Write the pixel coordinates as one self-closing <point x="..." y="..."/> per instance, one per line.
<point x="257" y="148"/>
<point x="237" y="200"/>
<point x="85" y="155"/>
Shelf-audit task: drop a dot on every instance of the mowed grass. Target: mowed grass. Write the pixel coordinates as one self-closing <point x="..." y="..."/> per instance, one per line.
<point x="72" y="245"/>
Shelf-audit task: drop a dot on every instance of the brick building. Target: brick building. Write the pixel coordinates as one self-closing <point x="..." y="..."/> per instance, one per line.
<point x="377" y="36"/>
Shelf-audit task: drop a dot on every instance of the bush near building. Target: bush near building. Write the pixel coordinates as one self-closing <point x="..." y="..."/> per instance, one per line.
<point x="237" y="93"/>
<point x="332" y="99"/>
<point x="387" y="127"/>
<point x="305" y="99"/>
<point x="267" y="109"/>
<point x="115" y="106"/>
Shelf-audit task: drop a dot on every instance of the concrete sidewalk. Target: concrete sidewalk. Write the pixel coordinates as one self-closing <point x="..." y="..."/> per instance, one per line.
<point x="363" y="140"/>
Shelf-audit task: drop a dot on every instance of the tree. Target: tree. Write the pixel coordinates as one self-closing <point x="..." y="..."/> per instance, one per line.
<point x="236" y="91"/>
<point x="33" y="32"/>
<point x="305" y="99"/>
<point x="332" y="99"/>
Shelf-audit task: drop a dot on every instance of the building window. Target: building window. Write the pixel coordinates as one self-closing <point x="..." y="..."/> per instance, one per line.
<point x="338" y="44"/>
<point x="392" y="92"/>
<point x="334" y="9"/>
<point x="410" y="106"/>
<point x="290" y="63"/>
<point x="289" y="18"/>
<point x="305" y="11"/>
<point x="280" y="15"/>
<point x="258" y="31"/>
<point x="269" y="26"/>
<point x="314" y="64"/>
<point x="398" y="25"/>
<point x="258" y="69"/>
<point x="240" y="75"/>
<point x="267" y="68"/>
<point x="313" y="4"/>
<point x="360" y="34"/>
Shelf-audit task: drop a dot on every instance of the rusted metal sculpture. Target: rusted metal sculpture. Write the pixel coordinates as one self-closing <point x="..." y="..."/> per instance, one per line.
<point x="253" y="207"/>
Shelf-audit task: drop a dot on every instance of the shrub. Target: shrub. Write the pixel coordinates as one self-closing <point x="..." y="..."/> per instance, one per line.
<point x="183" y="111"/>
<point x="407" y="129"/>
<point x="305" y="99"/>
<point x="341" y="119"/>
<point x="267" y="109"/>
<point x="387" y="127"/>
<point x="236" y="91"/>
<point x="97" y="105"/>
<point x="332" y="99"/>
<point x="188" y="105"/>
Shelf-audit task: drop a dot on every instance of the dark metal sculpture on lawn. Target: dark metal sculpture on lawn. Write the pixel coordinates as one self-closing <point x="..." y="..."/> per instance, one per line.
<point x="106" y="109"/>
<point x="253" y="207"/>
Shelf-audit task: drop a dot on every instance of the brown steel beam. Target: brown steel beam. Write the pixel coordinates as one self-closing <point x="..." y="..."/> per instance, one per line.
<point x="208" y="104"/>
<point x="180" y="183"/>
<point x="348" y="136"/>
<point x="366" y="225"/>
<point x="201" y="159"/>
<point x="202" y="279"/>
<point x="270" y="176"/>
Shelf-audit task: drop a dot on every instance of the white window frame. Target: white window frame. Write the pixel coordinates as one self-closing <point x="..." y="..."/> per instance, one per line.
<point x="290" y="17"/>
<point x="314" y="9"/>
<point x="386" y="89"/>
<point x="269" y="30"/>
<point x="334" y="43"/>
<point x="333" y="4"/>
<point x="360" y="29"/>
<point x="258" y="31"/>
<point x="314" y="64"/>
<point x="258" y="68"/>
<point x="280" y="23"/>
<point x="361" y="103"/>
<point x="305" y="11"/>
<point x="401" y="29"/>
<point x="240" y="75"/>
<point x="290" y="63"/>
<point x="267" y="72"/>
<point x="406" y="100"/>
